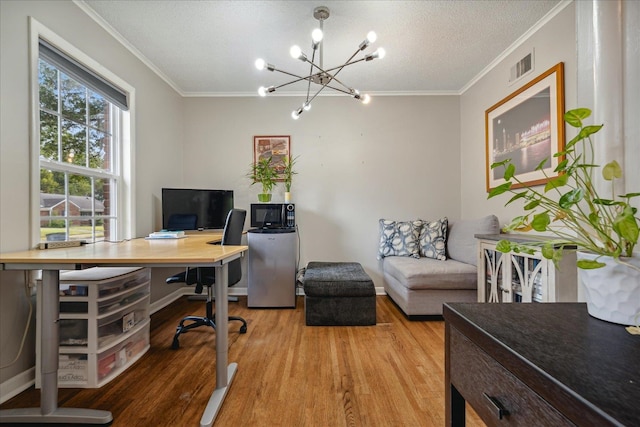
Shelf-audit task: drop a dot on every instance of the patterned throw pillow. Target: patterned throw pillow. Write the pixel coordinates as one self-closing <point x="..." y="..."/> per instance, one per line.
<point x="399" y="238"/>
<point x="433" y="238"/>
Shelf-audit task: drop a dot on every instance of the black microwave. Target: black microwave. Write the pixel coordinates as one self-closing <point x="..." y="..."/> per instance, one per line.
<point x="273" y="215"/>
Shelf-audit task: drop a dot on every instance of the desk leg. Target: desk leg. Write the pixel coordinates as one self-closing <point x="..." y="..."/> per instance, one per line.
<point x="224" y="373"/>
<point x="49" y="411"/>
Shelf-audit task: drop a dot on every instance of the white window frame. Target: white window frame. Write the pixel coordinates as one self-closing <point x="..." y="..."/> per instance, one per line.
<point x="124" y="161"/>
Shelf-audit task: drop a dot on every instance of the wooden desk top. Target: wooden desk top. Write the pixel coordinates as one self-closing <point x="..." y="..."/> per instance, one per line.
<point x="585" y="367"/>
<point x="192" y="250"/>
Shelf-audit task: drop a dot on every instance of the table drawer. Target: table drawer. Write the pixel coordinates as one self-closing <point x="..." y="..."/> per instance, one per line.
<point x="488" y="386"/>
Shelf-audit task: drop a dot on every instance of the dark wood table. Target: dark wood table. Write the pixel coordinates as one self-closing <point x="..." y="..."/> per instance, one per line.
<point x="539" y="364"/>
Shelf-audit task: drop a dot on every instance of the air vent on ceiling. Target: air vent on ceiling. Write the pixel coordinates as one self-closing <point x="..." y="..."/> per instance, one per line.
<point x="521" y="68"/>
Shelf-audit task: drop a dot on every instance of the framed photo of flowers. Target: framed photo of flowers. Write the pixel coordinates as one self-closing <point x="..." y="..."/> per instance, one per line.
<point x="527" y="127"/>
<point x="276" y="147"/>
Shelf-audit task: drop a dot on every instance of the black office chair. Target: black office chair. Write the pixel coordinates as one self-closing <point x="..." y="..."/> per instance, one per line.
<point x="205" y="277"/>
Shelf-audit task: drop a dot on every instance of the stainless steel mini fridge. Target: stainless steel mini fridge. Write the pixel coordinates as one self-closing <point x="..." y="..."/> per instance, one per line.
<point x="272" y="267"/>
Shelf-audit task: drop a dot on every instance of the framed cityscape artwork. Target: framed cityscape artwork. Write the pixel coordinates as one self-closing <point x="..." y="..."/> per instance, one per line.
<point x="276" y="147"/>
<point x="527" y="127"/>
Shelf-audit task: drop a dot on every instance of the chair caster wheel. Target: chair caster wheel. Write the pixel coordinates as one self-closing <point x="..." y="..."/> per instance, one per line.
<point x="243" y="329"/>
<point x="175" y="344"/>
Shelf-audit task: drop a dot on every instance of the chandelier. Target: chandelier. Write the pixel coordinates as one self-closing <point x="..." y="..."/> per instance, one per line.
<point x="318" y="75"/>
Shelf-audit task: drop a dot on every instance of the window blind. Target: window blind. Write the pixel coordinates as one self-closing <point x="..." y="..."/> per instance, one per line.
<point x="83" y="75"/>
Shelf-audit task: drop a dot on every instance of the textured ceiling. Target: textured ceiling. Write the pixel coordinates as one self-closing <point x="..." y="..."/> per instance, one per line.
<point x="209" y="47"/>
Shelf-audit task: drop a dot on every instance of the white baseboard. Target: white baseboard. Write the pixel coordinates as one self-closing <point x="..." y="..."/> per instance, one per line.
<point x="188" y="291"/>
<point x="17" y="384"/>
<point x="167" y="299"/>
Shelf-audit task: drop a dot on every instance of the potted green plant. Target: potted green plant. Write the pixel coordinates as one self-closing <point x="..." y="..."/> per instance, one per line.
<point x="287" y="175"/>
<point x="264" y="171"/>
<point x="604" y="230"/>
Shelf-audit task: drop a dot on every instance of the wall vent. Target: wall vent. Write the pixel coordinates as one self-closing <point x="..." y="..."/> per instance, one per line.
<point x="521" y="68"/>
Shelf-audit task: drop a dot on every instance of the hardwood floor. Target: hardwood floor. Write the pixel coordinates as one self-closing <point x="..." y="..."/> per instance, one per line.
<point x="289" y="374"/>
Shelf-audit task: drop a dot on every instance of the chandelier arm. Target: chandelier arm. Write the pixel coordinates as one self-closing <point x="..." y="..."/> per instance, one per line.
<point x="307" y="78"/>
<point x="339" y="68"/>
<point x="322" y="71"/>
<point x="333" y="77"/>
<point x="290" y="74"/>
<point x="298" y="78"/>
<point x="330" y="87"/>
<point x="344" y="65"/>
<point x="325" y="86"/>
<point x="348" y="61"/>
<point x="321" y="89"/>
<point x="346" y="92"/>
<point x="289" y="83"/>
<point x="313" y="58"/>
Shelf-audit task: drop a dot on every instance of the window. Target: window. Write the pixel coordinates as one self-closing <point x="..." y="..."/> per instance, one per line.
<point x="81" y="130"/>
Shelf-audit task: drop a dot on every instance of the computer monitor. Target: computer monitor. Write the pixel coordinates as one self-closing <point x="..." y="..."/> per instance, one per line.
<point x="210" y="206"/>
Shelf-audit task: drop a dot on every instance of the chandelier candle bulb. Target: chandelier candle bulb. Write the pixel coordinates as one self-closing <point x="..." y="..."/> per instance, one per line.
<point x="316" y="36"/>
<point x="296" y="53"/>
<point x="371" y="38"/>
<point x="380" y="53"/>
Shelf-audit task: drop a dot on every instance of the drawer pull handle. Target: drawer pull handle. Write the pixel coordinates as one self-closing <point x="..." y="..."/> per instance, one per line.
<point x="502" y="411"/>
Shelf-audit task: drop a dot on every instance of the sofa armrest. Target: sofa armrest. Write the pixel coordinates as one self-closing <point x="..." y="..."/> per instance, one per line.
<point x="461" y="243"/>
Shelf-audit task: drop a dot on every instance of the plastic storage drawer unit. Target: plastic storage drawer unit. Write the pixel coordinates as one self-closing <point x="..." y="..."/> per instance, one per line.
<point x="104" y="324"/>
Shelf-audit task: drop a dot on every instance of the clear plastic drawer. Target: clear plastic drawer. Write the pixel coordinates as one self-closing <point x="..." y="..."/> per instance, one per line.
<point x="123" y="353"/>
<point x="122" y="300"/>
<point x="109" y="280"/>
<point x="112" y="327"/>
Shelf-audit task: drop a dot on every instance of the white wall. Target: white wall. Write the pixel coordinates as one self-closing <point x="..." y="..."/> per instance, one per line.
<point x="157" y="144"/>
<point x="397" y="158"/>
<point x="555" y="42"/>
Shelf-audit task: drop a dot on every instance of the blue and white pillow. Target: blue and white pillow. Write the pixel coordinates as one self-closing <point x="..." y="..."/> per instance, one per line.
<point x="433" y="239"/>
<point x="399" y="238"/>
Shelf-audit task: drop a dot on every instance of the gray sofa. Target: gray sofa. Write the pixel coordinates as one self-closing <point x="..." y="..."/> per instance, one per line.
<point x="420" y="286"/>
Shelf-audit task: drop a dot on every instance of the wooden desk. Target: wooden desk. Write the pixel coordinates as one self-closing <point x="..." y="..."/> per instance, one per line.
<point x="192" y="251"/>
<point x="539" y="364"/>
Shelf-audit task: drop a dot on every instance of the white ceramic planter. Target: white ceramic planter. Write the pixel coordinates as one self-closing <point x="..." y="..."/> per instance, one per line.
<point x="612" y="293"/>
<point x="287" y="197"/>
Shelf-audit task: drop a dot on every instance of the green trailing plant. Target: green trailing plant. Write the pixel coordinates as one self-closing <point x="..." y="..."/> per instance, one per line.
<point x="288" y="172"/>
<point x="264" y="172"/>
<point x="580" y="217"/>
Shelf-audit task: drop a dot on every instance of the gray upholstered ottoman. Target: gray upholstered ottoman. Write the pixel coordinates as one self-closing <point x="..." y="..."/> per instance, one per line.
<point x="338" y="294"/>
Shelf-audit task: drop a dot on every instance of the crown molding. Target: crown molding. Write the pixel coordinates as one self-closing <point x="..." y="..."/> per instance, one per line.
<point x="541" y="23"/>
<point x="124" y="42"/>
